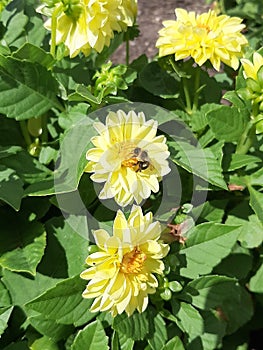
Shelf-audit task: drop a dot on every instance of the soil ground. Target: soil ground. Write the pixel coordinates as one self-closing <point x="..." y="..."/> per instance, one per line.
<point x="151" y="14"/>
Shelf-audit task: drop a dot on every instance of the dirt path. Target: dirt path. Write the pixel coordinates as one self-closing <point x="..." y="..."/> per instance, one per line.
<point x="151" y="13"/>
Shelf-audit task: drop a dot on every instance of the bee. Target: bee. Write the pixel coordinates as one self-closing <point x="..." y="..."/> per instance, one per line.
<point x="138" y="160"/>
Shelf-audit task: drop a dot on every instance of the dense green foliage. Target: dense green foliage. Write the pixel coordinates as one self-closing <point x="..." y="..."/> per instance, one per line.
<point x="211" y="295"/>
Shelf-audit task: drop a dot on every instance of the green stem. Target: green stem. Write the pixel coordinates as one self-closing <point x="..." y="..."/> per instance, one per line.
<point x="54" y="30"/>
<point x="187" y="96"/>
<point x="246" y="139"/>
<point x="44" y="136"/>
<point x="196" y="88"/>
<point x="25" y="132"/>
<point x="127" y="51"/>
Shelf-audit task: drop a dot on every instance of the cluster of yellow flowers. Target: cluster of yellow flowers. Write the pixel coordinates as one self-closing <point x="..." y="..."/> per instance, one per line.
<point x="83" y="25"/>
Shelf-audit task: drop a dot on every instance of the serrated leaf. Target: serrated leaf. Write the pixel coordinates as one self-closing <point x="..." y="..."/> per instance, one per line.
<point x="228" y="123"/>
<point x="35" y="54"/>
<point x="4" y="317"/>
<point x="231" y="301"/>
<point x="256" y="202"/>
<point x="22" y="250"/>
<point x="256" y="282"/>
<point x="64" y="303"/>
<point x="206" y="246"/>
<point x="92" y="337"/>
<point x="200" y="162"/>
<point x="159" y="336"/>
<point x="136" y="326"/>
<point x="27" y="89"/>
<point x="11" y="187"/>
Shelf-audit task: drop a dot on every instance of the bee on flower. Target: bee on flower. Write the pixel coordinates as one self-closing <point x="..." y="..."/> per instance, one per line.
<point x="122" y="272"/>
<point x="204" y="37"/>
<point x="128" y="157"/>
<point x="83" y="25"/>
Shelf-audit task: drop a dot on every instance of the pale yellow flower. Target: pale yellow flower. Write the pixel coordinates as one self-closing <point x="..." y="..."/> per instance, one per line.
<point x="122" y="272"/>
<point x="83" y="25"/>
<point x="128" y="157"/>
<point x="251" y="68"/>
<point x="203" y="37"/>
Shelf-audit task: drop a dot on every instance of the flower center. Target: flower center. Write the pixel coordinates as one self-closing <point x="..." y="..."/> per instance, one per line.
<point x="204" y="26"/>
<point x="133" y="261"/>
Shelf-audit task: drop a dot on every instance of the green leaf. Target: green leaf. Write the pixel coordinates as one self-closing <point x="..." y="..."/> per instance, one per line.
<point x="72" y="164"/>
<point x="29" y="169"/>
<point x="121" y="342"/>
<point x="27" y="89"/>
<point x="189" y="320"/>
<point x="44" y="343"/>
<point x="34" y="54"/>
<point x="74" y="245"/>
<point x="15" y="27"/>
<point x="200" y="162"/>
<point x="50" y="328"/>
<point x="92" y="337"/>
<point x="228" y="123"/>
<point x="64" y="303"/>
<point x="158" y="82"/>
<point x="251" y="234"/>
<point x="159" y="336"/>
<point x="223" y="294"/>
<point x="22" y="250"/>
<point x="11" y="187"/>
<point x="256" y="179"/>
<point x="8" y="151"/>
<point x="73" y="115"/>
<point x="174" y="343"/>
<point x="256" y="282"/>
<point x="4" y="317"/>
<point x="238" y="264"/>
<point x="206" y="246"/>
<point x="238" y="161"/>
<point x="136" y="326"/>
<point x="23" y="288"/>
<point x="256" y="202"/>
<point x="83" y="94"/>
<point x="4" y="296"/>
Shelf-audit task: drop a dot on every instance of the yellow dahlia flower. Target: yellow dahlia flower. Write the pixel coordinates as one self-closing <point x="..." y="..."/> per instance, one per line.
<point x="122" y="272"/>
<point x="203" y="37"/>
<point x="251" y="68"/>
<point x="83" y="25"/>
<point x="128" y="157"/>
